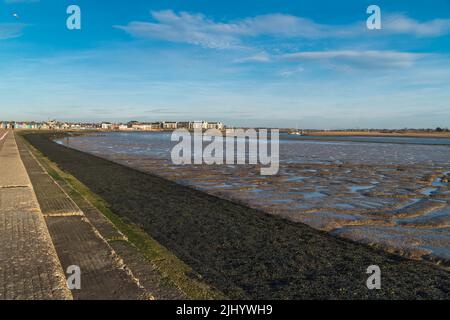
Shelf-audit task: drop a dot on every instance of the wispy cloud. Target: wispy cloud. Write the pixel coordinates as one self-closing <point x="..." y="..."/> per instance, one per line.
<point x="189" y="28"/>
<point x="11" y="30"/>
<point x="401" y="24"/>
<point x="291" y="72"/>
<point x="340" y="59"/>
<point x="358" y="59"/>
<point x="260" y="57"/>
<point x="197" y="29"/>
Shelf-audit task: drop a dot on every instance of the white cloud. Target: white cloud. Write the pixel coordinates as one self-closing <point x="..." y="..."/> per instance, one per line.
<point x="185" y="28"/>
<point x="401" y="24"/>
<point x="10" y="30"/>
<point x="260" y="57"/>
<point x="291" y="72"/>
<point x="354" y="59"/>
<point x="197" y="29"/>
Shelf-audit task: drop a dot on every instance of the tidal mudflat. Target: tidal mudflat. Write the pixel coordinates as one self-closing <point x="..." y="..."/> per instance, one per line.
<point x="394" y="196"/>
<point x="244" y="252"/>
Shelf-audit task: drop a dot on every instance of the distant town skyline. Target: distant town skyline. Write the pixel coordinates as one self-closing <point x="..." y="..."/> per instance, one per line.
<point x="271" y="63"/>
<point x="170" y="125"/>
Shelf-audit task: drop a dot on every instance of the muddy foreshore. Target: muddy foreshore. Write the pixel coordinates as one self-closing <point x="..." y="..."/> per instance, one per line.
<point x="244" y="252"/>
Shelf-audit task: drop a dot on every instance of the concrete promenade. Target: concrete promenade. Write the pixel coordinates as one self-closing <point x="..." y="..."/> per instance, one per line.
<point x="29" y="265"/>
<point x="44" y="231"/>
<point x="78" y="242"/>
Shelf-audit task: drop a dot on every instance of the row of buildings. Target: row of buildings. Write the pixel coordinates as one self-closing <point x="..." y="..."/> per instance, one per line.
<point x="165" y="125"/>
<point x="48" y="125"/>
<point x="130" y="126"/>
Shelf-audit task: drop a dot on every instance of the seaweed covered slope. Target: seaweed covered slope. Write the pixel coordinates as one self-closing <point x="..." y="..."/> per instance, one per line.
<point x="244" y="252"/>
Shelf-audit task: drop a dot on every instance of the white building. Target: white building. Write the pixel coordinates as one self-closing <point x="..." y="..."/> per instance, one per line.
<point x="215" y="125"/>
<point x="107" y="126"/>
<point x="52" y="124"/>
<point x="169" y="125"/>
<point x="65" y="126"/>
<point x="124" y="127"/>
<point x="142" y="126"/>
<point x="148" y="126"/>
<point x="199" y="125"/>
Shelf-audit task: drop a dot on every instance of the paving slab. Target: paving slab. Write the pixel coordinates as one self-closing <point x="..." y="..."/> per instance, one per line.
<point x="12" y="172"/>
<point x="3" y="134"/>
<point x="149" y="275"/>
<point x="29" y="266"/>
<point x="96" y="218"/>
<point x="104" y="275"/>
<point x="52" y="199"/>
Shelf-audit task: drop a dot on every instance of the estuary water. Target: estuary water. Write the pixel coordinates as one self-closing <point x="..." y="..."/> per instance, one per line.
<point x="390" y="193"/>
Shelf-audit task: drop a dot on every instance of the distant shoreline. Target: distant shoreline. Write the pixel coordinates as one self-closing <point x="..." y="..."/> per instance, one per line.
<point x="380" y="134"/>
<point x="307" y="132"/>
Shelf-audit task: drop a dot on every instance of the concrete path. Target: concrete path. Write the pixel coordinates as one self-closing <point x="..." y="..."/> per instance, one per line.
<point x="3" y="134"/>
<point x="29" y="265"/>
<point x="78" y="242"/>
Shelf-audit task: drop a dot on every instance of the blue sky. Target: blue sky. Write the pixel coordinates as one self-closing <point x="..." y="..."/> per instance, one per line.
<point x="276" y="63"/>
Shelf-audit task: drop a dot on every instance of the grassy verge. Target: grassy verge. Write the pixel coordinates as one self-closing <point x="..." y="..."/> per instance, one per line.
<point x="179" y="273"/>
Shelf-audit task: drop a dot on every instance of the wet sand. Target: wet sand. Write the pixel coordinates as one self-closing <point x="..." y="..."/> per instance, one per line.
<point x="245" y="252"/>
<point x="395" y="197"/>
